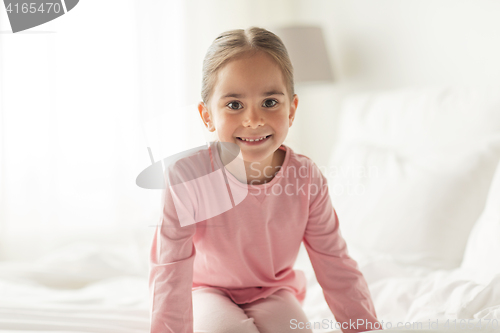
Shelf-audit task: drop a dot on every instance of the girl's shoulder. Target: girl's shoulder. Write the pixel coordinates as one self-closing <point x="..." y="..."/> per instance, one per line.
<point x="305" y="165"/>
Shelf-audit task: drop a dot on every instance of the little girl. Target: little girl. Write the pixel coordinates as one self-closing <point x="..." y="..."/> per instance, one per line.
<point x="233" y="271"/>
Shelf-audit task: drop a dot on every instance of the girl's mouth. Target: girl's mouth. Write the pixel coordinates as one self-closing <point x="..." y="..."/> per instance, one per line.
<point x="256" y="141"/>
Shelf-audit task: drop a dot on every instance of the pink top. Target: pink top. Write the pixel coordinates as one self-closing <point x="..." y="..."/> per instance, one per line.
<point x="249" y="250"/>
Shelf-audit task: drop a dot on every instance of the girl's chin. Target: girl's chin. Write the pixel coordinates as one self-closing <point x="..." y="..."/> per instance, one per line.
<point x="254" y="156"/>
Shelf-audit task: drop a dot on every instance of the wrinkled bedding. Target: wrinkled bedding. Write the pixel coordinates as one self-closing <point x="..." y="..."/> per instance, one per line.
<point x="91" y="294"/>
<point x="410" y="294"/>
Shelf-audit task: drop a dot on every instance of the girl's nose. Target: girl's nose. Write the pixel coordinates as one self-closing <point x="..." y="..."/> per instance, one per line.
<point x="253" y="118"/>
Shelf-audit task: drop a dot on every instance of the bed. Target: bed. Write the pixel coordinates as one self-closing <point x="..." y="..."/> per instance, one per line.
<point x="415" y="181"/>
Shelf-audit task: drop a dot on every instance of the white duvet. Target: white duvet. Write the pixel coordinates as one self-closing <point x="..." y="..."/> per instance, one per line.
<point x="106" y="299"/>
<point x="410" y="294"/>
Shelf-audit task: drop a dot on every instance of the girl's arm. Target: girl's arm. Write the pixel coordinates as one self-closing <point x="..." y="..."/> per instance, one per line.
<point x="171" y="272"/>
<point x="344" y="286"/>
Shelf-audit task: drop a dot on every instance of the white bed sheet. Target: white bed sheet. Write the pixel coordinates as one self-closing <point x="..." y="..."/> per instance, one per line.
<point x="113" y="301"/>
<point x="412" y="294"/>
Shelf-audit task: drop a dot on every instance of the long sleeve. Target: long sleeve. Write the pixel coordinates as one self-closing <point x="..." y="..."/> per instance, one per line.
<point x="344" y="286"/>
<point x="171" y="272"/>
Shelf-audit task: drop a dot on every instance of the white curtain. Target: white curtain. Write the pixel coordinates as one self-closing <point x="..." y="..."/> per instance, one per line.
<point x="74" y="95"/>
<point x="81" y="99"/>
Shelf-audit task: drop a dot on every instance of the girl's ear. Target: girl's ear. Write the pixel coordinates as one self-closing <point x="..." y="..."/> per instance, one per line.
<point x="205" y="116"/>
<point x="293" y="109"/>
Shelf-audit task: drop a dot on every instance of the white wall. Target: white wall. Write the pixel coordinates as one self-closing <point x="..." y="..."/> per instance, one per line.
<point x="385" y="44"/>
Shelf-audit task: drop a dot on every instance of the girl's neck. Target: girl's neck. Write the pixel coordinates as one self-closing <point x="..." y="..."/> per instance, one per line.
<point x="256" y="173"/>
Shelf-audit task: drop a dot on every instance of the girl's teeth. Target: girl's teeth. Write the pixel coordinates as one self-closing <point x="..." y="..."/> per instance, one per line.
<point x="251" y="140"/>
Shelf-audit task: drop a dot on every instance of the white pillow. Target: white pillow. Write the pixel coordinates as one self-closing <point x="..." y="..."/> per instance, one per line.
<point x="411" y="171"/>
<point x="419" y="211"/>
<point x="483" y="246"/>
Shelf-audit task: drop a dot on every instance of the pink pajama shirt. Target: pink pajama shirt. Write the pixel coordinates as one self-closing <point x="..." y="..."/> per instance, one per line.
<point x="249" y="250"/>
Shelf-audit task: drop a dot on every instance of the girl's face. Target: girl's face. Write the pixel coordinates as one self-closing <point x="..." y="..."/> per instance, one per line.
<point x="250" y="100"/>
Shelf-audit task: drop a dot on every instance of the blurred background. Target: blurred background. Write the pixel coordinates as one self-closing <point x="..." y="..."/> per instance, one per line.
<point x="80" y="97"/>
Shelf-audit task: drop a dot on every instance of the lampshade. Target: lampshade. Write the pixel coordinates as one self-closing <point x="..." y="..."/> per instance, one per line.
<point x="307" y="50"/>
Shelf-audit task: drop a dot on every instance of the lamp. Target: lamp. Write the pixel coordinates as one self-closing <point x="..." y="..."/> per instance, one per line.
<point x="307" y="50"/>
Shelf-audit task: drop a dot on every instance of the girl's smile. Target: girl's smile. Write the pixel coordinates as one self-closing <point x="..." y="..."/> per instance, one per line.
<point x="254" y="140"/>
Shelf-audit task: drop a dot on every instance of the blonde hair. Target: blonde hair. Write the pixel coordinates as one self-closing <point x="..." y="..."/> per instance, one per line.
<point x="233" y="43"/>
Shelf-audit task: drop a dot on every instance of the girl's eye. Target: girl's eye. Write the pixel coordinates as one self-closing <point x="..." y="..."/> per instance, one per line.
<point x="269" y="103"/>
<point x="234" y="105"/>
